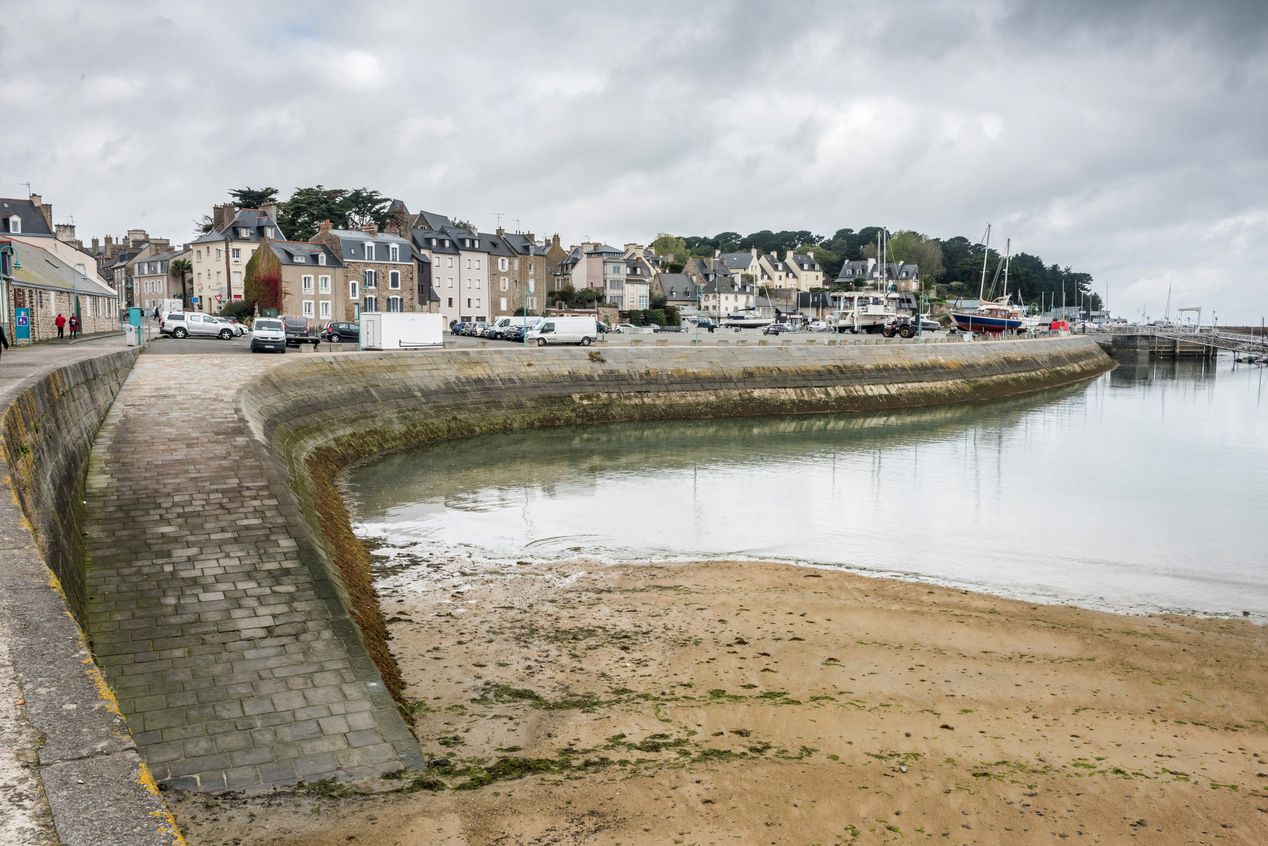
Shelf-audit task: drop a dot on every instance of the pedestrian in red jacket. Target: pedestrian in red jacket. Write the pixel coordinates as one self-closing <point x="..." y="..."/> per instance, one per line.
<point x="60" y="323"/>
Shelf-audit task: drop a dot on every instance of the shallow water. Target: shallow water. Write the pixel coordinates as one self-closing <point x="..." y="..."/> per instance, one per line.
<point x="1143" y="490"/>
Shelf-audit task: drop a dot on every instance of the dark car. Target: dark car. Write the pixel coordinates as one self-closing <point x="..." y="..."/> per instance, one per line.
<point x="342" y="332"/>
<point x="456" y="327"/>
<point x="776" y="329"/>
<point x="299" y="332"/>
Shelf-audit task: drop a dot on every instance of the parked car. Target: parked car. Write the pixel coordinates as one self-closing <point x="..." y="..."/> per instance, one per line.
<point x="183" y="324"/>
<point x="776" y="329"/>
<point x="341" y="332"/>
<point x="475" y="330"/>
<point x="456" y="327"/>
<point x="299" y="332"/>
<point x="268" y="333"/>
<point x="238" y="329"/>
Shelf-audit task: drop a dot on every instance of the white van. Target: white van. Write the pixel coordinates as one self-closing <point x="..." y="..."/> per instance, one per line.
<point x="565" y="330"/>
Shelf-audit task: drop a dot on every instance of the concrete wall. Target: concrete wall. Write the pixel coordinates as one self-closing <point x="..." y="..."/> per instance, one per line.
<point x="319" y="415"/>
<point x="95" y="784"/>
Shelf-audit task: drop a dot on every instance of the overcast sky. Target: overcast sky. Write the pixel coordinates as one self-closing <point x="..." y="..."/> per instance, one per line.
<point x="1125" y="139"/>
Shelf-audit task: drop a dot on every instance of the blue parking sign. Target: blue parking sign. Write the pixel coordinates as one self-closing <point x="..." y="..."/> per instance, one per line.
<point x="21" y="324"/>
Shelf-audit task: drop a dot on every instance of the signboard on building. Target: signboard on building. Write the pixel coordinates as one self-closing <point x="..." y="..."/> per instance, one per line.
<point x="22" y="324"/>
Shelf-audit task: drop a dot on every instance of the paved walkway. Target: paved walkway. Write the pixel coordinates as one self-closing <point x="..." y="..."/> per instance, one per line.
<point x="18" y="364"/>
<point x="232" y="661"/>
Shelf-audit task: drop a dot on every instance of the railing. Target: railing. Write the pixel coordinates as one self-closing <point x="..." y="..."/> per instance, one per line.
<point x="1231" y="341"/>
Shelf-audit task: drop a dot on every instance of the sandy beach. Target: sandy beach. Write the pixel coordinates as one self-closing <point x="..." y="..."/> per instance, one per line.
<point x="771" y="704"/>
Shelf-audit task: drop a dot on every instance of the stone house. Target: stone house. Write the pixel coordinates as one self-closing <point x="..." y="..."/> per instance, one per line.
<point x="679" y="291"/>
<point x="530" y="269"/>
<point x="314" y="282"/>
<point x="39" y="279"/>
<point x="220" y="257"/>
<point x="380" y="270"/>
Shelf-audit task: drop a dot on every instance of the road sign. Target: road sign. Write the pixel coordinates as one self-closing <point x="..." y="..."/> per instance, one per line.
<point x="22" y="324"/>
<point x="219" y="298"/>
<point x="195" y="300"/>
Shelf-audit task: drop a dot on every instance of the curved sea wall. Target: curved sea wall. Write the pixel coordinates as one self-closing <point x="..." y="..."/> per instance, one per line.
<point x="320" y="415"/>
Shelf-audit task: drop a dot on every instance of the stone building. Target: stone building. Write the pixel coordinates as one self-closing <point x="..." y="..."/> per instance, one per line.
<point x="38" y="279"/>
<point x="220" y="257"/>
<point x="380" y="270"/>
<point x="530" y="270"/>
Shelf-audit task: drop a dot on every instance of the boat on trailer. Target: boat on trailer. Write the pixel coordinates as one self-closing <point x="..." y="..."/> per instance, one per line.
<point x="995" y="316"/>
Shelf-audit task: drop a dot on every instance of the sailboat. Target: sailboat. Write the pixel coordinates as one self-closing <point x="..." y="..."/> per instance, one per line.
<point x="994" y="316"/>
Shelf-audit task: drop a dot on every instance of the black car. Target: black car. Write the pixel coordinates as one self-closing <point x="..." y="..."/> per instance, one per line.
<point x="342" y="332"/>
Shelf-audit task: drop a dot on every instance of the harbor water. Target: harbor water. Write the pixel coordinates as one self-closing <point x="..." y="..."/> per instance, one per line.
<point x="1144" y="490"/>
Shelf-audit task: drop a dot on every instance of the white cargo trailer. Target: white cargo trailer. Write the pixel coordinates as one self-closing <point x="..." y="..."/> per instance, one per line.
<point x="401" y="330"/>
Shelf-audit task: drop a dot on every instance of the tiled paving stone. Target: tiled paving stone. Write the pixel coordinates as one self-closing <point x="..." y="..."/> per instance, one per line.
<point x="235" y="666"/>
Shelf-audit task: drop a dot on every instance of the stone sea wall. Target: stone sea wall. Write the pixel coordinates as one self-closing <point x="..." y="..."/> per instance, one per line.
<point x="320" y="415"/>
<point x="94" y="782"/>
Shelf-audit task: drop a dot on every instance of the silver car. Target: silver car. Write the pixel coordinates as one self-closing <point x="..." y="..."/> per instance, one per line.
<point x="183" y="324"/>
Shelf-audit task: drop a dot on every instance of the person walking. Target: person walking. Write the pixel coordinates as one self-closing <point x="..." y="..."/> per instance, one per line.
<point x="74" y="326"/>
<point x="60" y="323"/>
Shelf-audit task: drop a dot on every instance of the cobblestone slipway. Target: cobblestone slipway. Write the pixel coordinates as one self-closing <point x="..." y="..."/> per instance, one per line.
<point x="234" y="663"/>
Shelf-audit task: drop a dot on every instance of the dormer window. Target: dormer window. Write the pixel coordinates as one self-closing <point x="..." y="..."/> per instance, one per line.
<point x="300" y="259"/>
<point x="369" y="252"/>
<point x="393" y="252"/>
<point x="477" y="243"/>
<point x="243" y="232"/>
<point x="446" y="243"/>
<point x="268" y="232"/>
<point x="15" y="223"/>
<point x="321" y="258"/>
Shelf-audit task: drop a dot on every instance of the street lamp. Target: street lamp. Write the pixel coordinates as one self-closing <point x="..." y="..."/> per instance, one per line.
<point x="74" y="293"/>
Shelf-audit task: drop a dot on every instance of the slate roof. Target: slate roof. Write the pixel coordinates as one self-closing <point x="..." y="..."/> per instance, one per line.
<point x="678" y="287"/>
<point x="254" y="221"/>
<point x="423" y="240"/>
<point x="495" y="245"/>
<point x="287" y="251"/>
<point x="605" y="249"/>
<point x="805" y="261"/>
<point x="353" y="244"/>
<point x="43" y="269"/>
<point x="854" y="269"/>
<point x="522" y="245"/>
<point x="737" y="261"/>
<point x="32" y="219"/>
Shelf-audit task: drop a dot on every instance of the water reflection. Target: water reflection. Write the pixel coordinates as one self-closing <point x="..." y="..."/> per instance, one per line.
<point x="1141" y="489"/>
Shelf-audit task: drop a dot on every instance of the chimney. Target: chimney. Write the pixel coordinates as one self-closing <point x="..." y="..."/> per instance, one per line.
<point x="501" y="231"/>
<point x="109" y="243"/>
<point x="160" y="244"/>
<point x="323" y="228"/>
<point x="66" y="232"/>
<point x="371" y="229"/>
<point x="271" y="210"/>
<point x="96" y="245"/>
<point x="222" y="215"/>
<point x="138" y="236"/>
<point x="554" y="240"/>
<point x="44" y="209"/>
<point x="529" y="236"/>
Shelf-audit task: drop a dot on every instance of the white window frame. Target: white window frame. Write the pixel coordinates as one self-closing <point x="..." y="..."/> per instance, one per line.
<point x="301" y="259"/>
<point x="321" y="258"/>
<point x="395" y="304"/>
<point x="394" y="279"/>
<point x="502" y="304"/>
<point x="477" y="261"/>
<point x="308" y="308"/>
<point x="15" y="224"/>
<point x="354" y="290"/>
<point x="371" y="278"/>
<point x="505" y="285"/>
<point x="370" y="303"/>
<point x="306" y="284"/>
<point x="393" y="252"/>
<point x="323" y="284"/>
<point x="369" y="251"/>
<point x="323" y="309"/>
<point x="502" y="264"/>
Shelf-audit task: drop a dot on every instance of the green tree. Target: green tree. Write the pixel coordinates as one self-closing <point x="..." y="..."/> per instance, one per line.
<point x="240" y="309"/>
<point x="672" y="246"/>
<point x="262" y="285"/>
<point x="301" y="215"/>
<point x="181" y="268"/>
<point x="914" y="248"/>
<point x="253" y="198"/>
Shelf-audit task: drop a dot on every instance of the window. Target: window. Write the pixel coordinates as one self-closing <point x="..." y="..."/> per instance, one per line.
<point x="321" y="258"/>
<point x="394" y="279"/>
<point x="370" y="304"/>
<point x="451" y="261"/>
<point x="502" y="304"/>
<point x="369" y="252"/>
<point x="477" y="302"/>
<point x="516" y="264"/>
<point x="307" y="284"/>
<point x="502" y="264"/>
<point x="323" y="284"/>
<point x="468" y="264"/>
<point x="243" y="232"/>
<point x="353" y="290"/>
<point x="301" y="259"/>
<point x="15" y="223"/>
<point x="477" y="260"/>
<point x="371" y="279"/>
<point x="504" y="285"/>
<point x="394" y="304"/>
<point x="532" y="303"/>
<point x="308" y="308"/>
<point x="446" y="244"/>
<point x="323" y="309"/>
<point x="450" y="281"/>
<point x="268" y="232"/>
<point x="450" y="302"/>
<point x="393" y="252"/>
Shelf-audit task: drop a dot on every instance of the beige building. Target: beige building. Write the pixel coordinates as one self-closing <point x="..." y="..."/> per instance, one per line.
<point x="152" y="280"/>
<point x="36" y="278"/>
<point x="220" y="257"/>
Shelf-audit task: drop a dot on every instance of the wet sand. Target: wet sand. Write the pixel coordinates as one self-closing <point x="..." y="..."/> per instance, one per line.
<point x="753" y="703"/>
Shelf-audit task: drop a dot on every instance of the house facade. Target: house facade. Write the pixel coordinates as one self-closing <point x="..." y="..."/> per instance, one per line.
<point x="220" y="257"/>
<point x="459" y="261"/>
<point x="529" y="267"/>
<point x="35" y="278"/>
<point x="314" y="282"/>
<point x="380" y="272"/>
<point x="806" y="269"/>
<point x="152" y="278"/>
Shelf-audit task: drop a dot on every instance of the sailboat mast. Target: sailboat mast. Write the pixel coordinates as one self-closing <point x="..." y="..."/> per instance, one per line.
<point x="981" y="289"/>
<point x="1008" y="256"/>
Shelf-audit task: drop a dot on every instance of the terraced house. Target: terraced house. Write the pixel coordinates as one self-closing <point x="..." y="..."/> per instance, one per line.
<point x="152" y="279"/>
<point x="380" y="271"/>
<point x="459" y="260"/>
<point x="529" y="273"/>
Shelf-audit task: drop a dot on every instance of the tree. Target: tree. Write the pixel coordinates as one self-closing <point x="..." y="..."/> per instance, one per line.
<point x="301" y="215"/>
<point x="262" y="285"/>
<point x="253" y="198"/>
<point x="673" y="247"/>
<point x="181" y="268"/>
<point x="914" y="248"/>
<point x="240" y="309"/>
